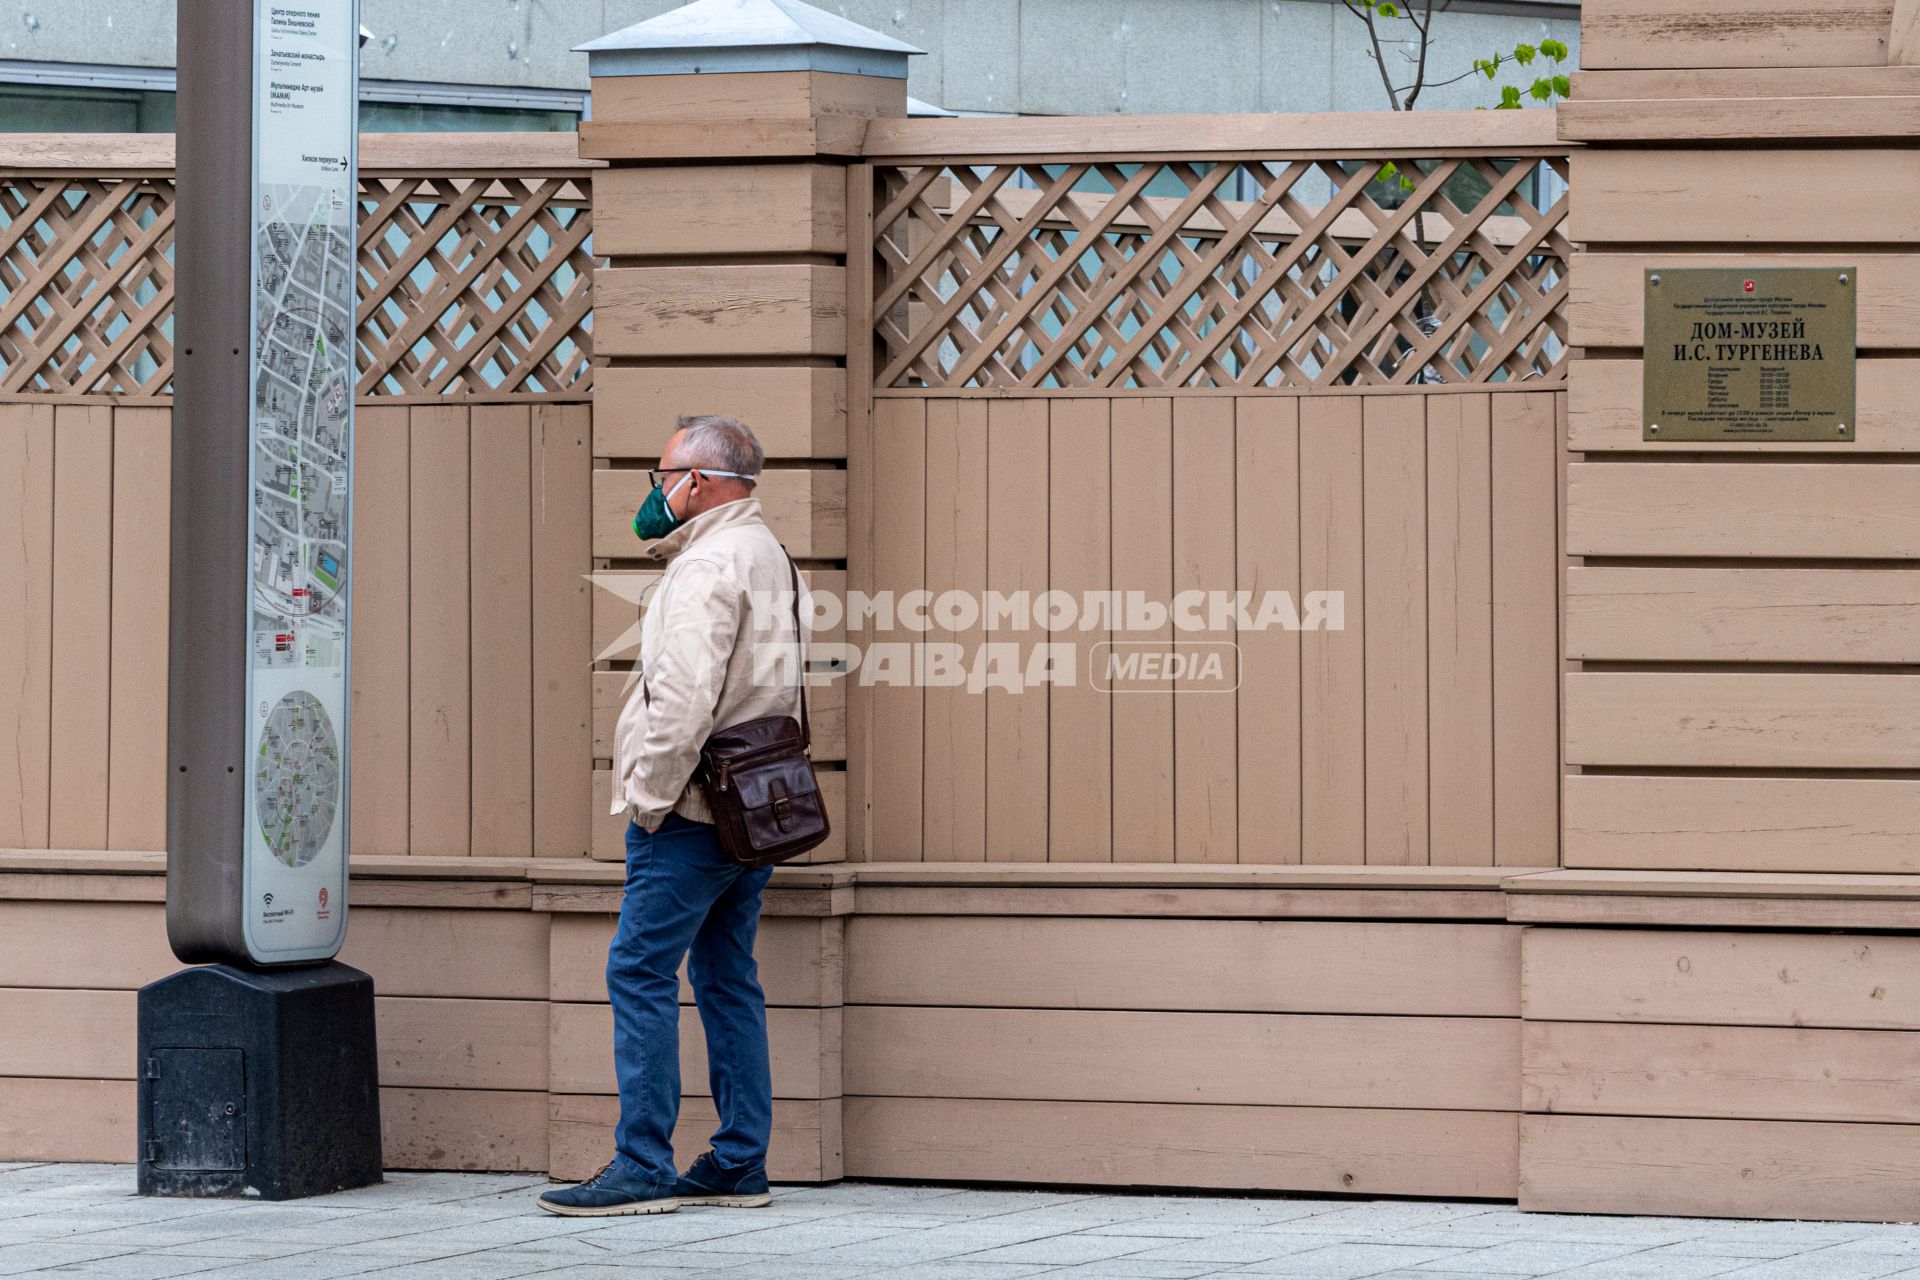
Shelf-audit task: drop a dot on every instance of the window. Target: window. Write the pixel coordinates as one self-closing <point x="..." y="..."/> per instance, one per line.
<point x="53" y="97"/>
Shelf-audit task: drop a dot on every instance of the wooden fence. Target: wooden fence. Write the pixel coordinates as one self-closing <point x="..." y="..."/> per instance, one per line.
<point x="1400" y="446"/>
<point x="1245" y="271"/>
<point x="475" y="276"/>
<point x="1100" y="367"/>
<point x="471" y="619"/>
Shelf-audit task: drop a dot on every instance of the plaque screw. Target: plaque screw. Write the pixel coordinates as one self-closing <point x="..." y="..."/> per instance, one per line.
<point x="1654" y="280"/>
<point x="1842" y="428"/>
<point x="1843" y="279"/>
<point x="1654" y="429"/>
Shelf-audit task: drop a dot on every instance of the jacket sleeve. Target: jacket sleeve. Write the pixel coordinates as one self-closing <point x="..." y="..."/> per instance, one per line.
<point x="683" y="685"/>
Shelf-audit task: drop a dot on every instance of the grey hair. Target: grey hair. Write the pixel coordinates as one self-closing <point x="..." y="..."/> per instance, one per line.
<point x="725" y="444"/>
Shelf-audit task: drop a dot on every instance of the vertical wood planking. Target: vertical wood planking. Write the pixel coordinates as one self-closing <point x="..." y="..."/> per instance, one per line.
<point x="899" y="566"/>
<point x="1017" y="561"/>
<point x="1079" y="556"/>
<point x="441" y="795"/>
<point x="1561" y="562"/>
<point x="1205" y="724"/>
<point x="562" y="536"/>
<point x="137" y="717"/>
<point x="1460" y="629"/>
<point x="1394" y="466"/>
<point x="382" y="574"/>
<point x="954" y="814"/>
<point x="1142" y="563"/>
<point x="859" y="453"/>
<point x="1267" y="515"/>
<point x="1526" y="631"/>
<point x="500" y="614"/>
<point x="26" y="622"/>
<point x="82" y="621"/>
<point x="1333" y="800"/>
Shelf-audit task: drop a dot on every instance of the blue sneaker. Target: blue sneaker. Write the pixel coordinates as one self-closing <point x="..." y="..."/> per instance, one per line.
<point x="710" y="1182"/>
<point x="610" y="1194"/>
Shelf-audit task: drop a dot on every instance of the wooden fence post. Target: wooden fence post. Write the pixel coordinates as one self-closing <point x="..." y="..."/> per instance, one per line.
<point x="731" y="133"/>
<point x="1741" y="713"/>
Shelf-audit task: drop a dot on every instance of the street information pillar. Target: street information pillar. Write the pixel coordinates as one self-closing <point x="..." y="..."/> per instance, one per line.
<point x="257" y="1072"/>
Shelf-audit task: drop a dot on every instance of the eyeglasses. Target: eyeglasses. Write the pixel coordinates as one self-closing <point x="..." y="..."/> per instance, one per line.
<point x="657" y="475"/>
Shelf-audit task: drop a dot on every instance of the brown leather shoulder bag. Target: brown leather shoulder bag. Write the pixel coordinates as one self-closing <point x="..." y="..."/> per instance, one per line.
<point x="759" y="779"/>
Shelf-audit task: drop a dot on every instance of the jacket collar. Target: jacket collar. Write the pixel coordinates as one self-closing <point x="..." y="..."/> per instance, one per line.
<point x="725" y="516"/>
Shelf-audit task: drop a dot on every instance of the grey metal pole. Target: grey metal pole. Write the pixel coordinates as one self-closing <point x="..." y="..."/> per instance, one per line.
<point x="212" y="504"/>
<point x="262" y="479"/>
<point x="258" y="1073"/>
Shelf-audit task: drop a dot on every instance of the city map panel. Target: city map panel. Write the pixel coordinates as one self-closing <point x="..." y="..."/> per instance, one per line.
<point x="305" y="213"/>
<point x="296" y="779"/>
<point x="302" y="404"/>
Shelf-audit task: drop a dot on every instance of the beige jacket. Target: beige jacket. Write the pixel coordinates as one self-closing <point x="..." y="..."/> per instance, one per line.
<point x="716" y="648"/>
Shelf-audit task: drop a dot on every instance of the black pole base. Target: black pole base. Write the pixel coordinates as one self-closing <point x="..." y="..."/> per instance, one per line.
<point x="258" y="1084"/>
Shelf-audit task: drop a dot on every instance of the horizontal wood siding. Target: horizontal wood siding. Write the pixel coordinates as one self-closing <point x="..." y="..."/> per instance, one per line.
<point x="495" y="1036"/>
<point x="1658" y="822"/>
<point x="1452" y="1064"/>
<point x="1752" y="1168"/>
<point x="1291" y="966"/>
<point x="1742" y="717"/>
<point x="1100" y="1048"/>
<point x="1722" y="979"/>
<point x="1719" y="1073"/>
<point x="1332" y="1149"/>
<point x="1749" y="33"/>
<point x="93" y="1120"/>
<point x="1739" y="614"/>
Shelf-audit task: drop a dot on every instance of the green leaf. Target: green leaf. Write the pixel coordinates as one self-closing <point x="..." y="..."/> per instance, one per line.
<point x="1491" y="68"/>
<point x="1554" y="49"/>
<point x="1542" y="90"/>
<point x="1509" y="97"/>
<point x="1563" y="86"/>
<point x="1523" y="54"/>
<point x="1387" y="9"/>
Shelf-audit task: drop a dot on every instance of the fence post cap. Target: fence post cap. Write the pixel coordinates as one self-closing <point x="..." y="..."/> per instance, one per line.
<point x="718" y="36"/>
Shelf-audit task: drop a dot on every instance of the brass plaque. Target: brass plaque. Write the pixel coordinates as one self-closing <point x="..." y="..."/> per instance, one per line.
<point x="1738" y="353"/>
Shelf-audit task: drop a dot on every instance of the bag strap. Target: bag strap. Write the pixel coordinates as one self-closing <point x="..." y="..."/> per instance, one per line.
<point x="800" y="643"/>
<point x="800" y="664"/>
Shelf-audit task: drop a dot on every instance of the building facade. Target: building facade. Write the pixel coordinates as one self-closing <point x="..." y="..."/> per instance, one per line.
<point x="107" y="65"/>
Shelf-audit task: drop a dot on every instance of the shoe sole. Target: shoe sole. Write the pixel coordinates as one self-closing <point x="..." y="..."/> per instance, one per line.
<point x="613" y="1211"/>
<point x="760" y="1201"/>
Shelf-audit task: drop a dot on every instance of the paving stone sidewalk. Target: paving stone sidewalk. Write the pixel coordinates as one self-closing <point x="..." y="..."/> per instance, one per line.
<point x="84" y="1220"/>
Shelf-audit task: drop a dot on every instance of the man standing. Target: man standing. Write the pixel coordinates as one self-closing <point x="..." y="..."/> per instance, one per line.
<point x="722" y="605"/>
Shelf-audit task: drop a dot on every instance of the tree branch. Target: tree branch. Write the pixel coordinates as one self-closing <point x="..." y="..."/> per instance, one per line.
<point x="1425" y="26"/>
<point x="1498" y="62"/>
<point x="1373" y="35"/>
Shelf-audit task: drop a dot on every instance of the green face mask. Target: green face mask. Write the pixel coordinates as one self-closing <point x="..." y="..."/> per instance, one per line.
<point x="655" y="519"/>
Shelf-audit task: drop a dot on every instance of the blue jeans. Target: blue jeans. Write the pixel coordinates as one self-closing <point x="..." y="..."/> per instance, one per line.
<point x="683" y="892"/>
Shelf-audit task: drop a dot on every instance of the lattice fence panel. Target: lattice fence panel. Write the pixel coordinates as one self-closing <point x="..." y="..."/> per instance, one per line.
<point x="1243" y="273"/>
<point x="473" y="284"/>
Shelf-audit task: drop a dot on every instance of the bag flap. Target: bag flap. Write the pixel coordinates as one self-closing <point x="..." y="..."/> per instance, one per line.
<point x="761" y="783"/>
